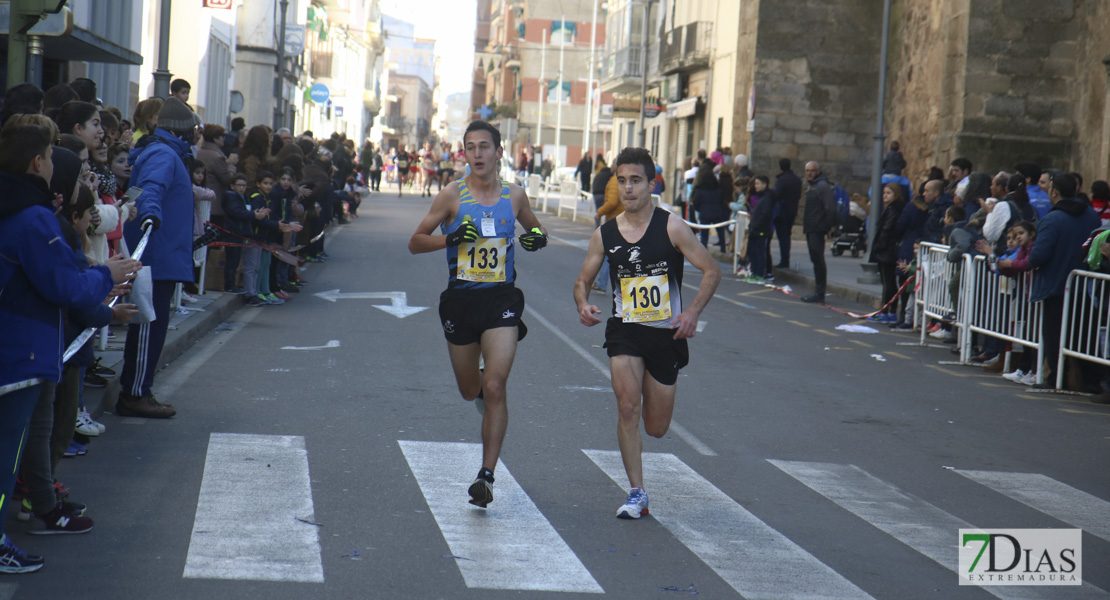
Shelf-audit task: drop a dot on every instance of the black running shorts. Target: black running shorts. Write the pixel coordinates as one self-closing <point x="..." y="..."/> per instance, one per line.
<point x="465" y="314"/>
<point x="663" y="355"/>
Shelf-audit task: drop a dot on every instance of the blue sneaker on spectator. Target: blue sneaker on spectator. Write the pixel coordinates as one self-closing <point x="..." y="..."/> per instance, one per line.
<point x="76" y="449"/>
<point x="14" y="560"/>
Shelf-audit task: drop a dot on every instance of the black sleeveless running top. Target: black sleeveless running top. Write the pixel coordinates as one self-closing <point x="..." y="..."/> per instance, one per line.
<point x="646" y="276"/>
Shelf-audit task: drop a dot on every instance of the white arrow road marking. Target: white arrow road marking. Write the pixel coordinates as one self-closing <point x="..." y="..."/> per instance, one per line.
<point x="398" y="307"/>
<point x="255" y="499"/>
<point x="330" y="344"/>
<point x="510" y="545"/>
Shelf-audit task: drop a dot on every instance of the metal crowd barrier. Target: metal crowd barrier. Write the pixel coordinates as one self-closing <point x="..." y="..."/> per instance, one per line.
<point x="1086" y="320"/>
<point x="934" y="273"/>
<point x="999" y="306"/>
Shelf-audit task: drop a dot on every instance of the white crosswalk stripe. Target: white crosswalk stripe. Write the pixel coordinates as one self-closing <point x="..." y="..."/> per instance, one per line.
<point x="255" y="492"/>
<point x="510" y="545"/>
<point x="913" y="521"/>
<point x="723" y="534"/>
<point x="1056" y="499"/>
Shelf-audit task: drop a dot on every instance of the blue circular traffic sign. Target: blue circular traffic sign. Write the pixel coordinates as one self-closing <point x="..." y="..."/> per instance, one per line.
<point x="319" y="93"/>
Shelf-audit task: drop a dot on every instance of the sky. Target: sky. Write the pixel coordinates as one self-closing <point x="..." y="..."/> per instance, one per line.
<point x="451" y="23"/>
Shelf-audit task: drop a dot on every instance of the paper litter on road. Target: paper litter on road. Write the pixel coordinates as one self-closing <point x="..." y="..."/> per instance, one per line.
<point x="856" y="328"/>
<point x="878" y="357"/>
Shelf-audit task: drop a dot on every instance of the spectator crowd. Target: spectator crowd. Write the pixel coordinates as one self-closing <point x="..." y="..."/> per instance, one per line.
<point x="84" y="186"/>
<point x="1033" y="225"/>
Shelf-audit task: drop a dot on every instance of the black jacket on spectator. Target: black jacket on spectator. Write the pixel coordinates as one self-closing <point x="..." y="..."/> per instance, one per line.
<point x="709" y="204"/>
<point x="887" y="241"/>
<point x="788" y="189"/>
<point x="601" y="180"/>
<point x="820" y="215"/>
<point x="762" y="216"/>
<point x="934" y="223"/>
<point x="237" y="214"/>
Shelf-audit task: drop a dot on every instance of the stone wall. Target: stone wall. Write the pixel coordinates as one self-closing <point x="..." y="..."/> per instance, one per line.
<point x="1019" y="102"/>
<point x="924" y="82"/>
<point x="816" y="79"/>
<point x="984" y="80"/>
<point x="745" y="73"/>
<point x="1089" y="156"/>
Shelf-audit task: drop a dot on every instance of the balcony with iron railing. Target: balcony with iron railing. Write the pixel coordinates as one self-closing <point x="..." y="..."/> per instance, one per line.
<point x="622" y="70"/>
<point x="686" y="48"/>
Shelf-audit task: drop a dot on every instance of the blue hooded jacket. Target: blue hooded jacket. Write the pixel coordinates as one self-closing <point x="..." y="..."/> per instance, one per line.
<point x="1059" y="246"/>
<point x="159" y="169"/>
<point x="39" y="275"/>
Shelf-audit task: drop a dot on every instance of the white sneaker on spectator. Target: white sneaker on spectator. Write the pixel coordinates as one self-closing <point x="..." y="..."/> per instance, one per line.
<point x="100" y="426"/>
<point x="187" y="298"/>
<point x="1029" y="379"/>
<point x="1014" y="376"/>
<point x="940" y="333"/>
<point x="85" y="425"/>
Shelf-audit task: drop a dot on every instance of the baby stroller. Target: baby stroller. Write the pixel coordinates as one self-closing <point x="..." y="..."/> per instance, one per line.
<point x="853" y="237"/>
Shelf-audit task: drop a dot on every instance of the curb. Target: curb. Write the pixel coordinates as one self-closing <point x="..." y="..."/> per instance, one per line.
<point x="99" y="400"/>
<point x="860" y="296"/>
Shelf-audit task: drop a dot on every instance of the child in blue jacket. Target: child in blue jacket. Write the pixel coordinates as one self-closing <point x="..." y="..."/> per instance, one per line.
<point x="39" y="276"/>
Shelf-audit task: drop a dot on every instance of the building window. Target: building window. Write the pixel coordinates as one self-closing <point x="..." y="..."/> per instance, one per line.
<point x="655" y="141"/>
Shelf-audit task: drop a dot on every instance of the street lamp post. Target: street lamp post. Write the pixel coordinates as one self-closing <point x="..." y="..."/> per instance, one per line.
<point x="559" y="108"/>
<point x="587" y="130"/>
<point x="643" y="71"/>
<point x="877" y="159"/>
<point x="279" y="84"/>
<point x="543" y="92"/>
<point x="162" y="74"/>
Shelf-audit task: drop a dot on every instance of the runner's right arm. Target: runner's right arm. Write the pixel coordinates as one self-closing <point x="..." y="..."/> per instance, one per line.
<point x="595" y="254"/>
<point x="443" y="210"/>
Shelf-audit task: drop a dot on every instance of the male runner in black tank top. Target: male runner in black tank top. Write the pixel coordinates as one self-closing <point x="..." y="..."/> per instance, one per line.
<point x="646" y="335"/>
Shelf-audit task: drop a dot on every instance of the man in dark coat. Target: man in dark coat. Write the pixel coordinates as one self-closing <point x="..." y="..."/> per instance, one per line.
<point x="788" y="192"/>
<point x="820" y="217"/>
<point x="584" y="170"/>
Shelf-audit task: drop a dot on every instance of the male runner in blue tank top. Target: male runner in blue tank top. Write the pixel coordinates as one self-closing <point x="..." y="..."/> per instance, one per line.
<point x="646" y="335"/>
<point x="481" y="308"/>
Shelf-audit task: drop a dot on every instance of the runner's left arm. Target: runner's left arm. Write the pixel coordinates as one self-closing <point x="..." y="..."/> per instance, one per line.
<point x="683" y="238"/>
<point x="524" y="214"/>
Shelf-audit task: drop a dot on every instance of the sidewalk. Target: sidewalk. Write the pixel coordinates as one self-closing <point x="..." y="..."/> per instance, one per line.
<point x="186" y="327"/>
<point x="843" y="277"/>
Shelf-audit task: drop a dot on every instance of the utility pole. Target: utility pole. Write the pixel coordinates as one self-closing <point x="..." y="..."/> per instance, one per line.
<point x="279" y="83"/>
<point x="643" y="72"/>
<point x="559" y="117"/>
<point x="587" y="130"/>
<point x="162" y="74"/>
<point x="877" y="159"/>
<point x="543" y="91"/>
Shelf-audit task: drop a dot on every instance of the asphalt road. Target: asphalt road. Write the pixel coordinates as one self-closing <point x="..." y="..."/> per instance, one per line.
<point x="805" y="462"/>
